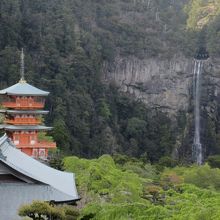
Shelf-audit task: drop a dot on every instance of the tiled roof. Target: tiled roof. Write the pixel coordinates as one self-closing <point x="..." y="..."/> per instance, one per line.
<point x="23" y="111"/>
<point x="50" y="184"/>
<point x="23" y="88"/>
<point x="25" y="127"/>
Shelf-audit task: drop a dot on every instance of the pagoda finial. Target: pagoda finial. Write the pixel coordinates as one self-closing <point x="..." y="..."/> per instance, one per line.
<point x="22" y="80"/>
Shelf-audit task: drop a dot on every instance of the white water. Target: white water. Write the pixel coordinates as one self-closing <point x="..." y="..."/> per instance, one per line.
<point x="197" y="146"/>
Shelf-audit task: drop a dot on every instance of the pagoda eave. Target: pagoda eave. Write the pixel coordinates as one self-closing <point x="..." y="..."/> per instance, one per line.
<point x="24" y="128"/>
<point x="23" y="89"/>
<point x="24" y="94"/>
<point x="47" y="145"/>
<point x="14" y="112"/>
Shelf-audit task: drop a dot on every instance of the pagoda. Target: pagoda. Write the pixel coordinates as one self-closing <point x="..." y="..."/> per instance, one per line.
<point x="23" y="109"/>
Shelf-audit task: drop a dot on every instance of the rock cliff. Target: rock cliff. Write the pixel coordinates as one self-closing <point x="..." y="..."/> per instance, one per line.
<point x="160" y="83"/>
<point x="167" y="84"/>
<point x="164" y="83"/>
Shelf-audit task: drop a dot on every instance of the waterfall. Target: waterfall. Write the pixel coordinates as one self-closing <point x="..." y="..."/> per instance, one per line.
<point x="197" y="146"/>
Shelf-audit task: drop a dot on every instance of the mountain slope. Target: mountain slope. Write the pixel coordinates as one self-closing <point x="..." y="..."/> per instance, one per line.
<point x="74" y="48"/>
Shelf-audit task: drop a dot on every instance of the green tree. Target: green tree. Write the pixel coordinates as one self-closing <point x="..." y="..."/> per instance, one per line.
<point x="38" y="210"/>
<point x="136" y="127"/>
<point x="214" y="161"/>
<point x="61" y="135"/>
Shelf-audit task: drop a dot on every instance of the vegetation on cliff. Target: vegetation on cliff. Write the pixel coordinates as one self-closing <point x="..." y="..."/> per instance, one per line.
<point x="203" y="18"/>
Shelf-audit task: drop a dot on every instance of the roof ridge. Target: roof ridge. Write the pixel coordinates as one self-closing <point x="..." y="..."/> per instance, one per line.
<point x="24" y="88"/>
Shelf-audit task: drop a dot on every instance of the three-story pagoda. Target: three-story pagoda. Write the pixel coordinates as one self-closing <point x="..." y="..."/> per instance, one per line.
<point x="22" y="107"/>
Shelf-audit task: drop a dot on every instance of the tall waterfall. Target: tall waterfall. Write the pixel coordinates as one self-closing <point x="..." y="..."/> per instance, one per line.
<point x="197" y="146"/>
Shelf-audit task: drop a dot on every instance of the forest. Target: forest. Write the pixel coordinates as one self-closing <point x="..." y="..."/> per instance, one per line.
<point x="66" y="43"/>
<point x="121" y="187"/>
<point x="120" y="148"/>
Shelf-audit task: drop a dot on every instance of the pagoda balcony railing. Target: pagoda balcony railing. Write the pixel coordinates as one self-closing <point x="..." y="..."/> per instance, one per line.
<point x="41" y="144"/>
<point x="23" y="121"/>
<point x="22" y="105"/>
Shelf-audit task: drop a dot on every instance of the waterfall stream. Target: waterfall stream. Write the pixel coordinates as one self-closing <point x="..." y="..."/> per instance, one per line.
<point x="197" y="146"/>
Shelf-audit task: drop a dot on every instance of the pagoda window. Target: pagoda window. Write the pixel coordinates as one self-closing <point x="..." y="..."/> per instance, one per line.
<point x="35" y="153"/>
<point x="18" y="101"/>
<point x="32" y="139"/>
<point x="16" y="139"/>
<point x="42" y="153"/>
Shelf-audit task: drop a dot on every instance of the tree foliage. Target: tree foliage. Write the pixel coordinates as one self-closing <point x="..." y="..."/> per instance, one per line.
<point x="38" y="210"/>
<point x="67" y="43"/>
<point x="123" y="188"/>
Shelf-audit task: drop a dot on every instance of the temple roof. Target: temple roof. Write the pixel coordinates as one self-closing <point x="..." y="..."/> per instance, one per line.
<point x="23" y="89"/>
<point x="25" y="127"/>
<point x="48" y="185"/>
<point x="34" y="112"/>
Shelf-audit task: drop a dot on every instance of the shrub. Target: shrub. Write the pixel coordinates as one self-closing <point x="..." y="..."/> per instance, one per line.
<point x="203" y="176"/>
<point x="167" y="162"/>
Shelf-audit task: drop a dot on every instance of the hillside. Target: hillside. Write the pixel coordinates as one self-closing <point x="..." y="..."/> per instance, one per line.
<point x="119" y="72"/>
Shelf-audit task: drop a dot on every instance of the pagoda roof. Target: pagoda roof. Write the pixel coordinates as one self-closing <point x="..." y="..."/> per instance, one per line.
<point x="25" y="127"/>
<point x="34" y="112"/>
<point x="47" y="184"/>
<point x="22" y="88"/>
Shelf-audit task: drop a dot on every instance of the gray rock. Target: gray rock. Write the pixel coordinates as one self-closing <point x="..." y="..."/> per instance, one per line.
<point x="160" y="83"/>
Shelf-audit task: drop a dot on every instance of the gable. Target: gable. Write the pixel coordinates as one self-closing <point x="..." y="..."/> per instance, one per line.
<point x="9" y="178"/>
<point x="8" y="174"/>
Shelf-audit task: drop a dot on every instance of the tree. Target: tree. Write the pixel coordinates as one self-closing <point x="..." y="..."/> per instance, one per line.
<point x="214" y="161"/>
<point x="40" y="211"/>
<point x="44" y="211"/>
<point x="61" y="135"/>
<point x="136" y="127"/>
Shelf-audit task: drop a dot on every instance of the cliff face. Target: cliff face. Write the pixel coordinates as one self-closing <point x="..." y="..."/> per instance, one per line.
<point x="164" y="83"/>
<point x="160" y="83"/>
<point x="167" y="84"/>
<point x="211" y="86"/>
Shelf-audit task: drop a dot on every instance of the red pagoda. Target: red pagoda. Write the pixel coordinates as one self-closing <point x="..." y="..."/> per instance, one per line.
<point x="22" y="107"/>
